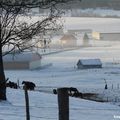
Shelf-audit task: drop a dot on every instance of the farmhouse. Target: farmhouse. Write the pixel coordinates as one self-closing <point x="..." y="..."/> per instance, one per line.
<point x="68" y="40"/>
<point x="106" y="36"/>
<point x="20" y="61"/>
<point x="89" y="63"/>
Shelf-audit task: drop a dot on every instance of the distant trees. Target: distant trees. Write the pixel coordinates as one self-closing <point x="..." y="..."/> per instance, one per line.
<point x="18" y="32"/>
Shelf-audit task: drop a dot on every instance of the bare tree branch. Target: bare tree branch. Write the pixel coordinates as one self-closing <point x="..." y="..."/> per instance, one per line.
<point x="21" y="34"/>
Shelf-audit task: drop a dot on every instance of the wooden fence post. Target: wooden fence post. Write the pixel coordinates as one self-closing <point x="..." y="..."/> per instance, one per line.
<point x="18" y="83"/>
<point x="117" y="86"/>
<point x="63" y="103"/>
<point x="112" y="86"/>
<point x="27" y="103"/>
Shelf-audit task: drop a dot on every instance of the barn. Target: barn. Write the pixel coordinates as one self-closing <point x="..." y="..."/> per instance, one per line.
<point x="68" y="40"/>
<point x="106" y="36"/>
<point x="89" y="63"/>
<point x="19" y="61"/>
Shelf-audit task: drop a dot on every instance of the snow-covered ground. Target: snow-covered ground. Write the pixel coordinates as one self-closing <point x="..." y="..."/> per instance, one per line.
<point x="63" y="72"/>
<point x="44" y="107"/>
<point x="96" y="24"/>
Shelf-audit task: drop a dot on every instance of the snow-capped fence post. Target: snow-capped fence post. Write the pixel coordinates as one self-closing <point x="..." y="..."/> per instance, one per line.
<point x="27" y="103"/>
<point x="63" y="103"/>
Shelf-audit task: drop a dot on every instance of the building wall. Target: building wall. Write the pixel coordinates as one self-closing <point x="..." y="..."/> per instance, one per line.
<point x="89" y="66"/>
<point x="110" y="36"/>
<point x="96" y="35"/>
<point x="69" y="43"/>
<point x="106" y="36"/>
<point x="16" y="65"/>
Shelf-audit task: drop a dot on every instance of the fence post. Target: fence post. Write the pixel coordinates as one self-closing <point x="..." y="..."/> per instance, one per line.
<point x="18" y="83"/>
<point x="107" y="99"/>
<point x="117" y="86"/>
<point x="112" y="86"/>
<point x="27" y="103"/>
<point x="63" y="103"/>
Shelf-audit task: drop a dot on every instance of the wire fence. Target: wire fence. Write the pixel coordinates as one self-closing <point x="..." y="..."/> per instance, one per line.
<point x="49" y="89"/>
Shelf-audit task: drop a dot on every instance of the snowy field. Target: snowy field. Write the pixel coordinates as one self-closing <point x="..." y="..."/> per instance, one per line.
<point x="62" y="73"/>
<point x="96" y="24"/>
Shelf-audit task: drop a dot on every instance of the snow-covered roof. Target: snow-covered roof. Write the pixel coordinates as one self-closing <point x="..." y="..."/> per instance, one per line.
<point x="21" y="57"/>
<point x="90" y="61"/>
<point x="80" y="30"/>
<point x="109" y="32"/>
<point x="68" y="37"/>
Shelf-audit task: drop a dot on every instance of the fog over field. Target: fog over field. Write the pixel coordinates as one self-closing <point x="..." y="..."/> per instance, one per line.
<point x="59" y="68"/>
<point x="96" y="24"/>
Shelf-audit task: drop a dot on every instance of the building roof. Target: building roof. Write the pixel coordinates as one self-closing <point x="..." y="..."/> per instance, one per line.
<point x="90" y="61"/>
<point x="22" y="57"/>
<point x="68" y="37"/>
<point x="79" y="31"/>
<point x="104" y="32"/>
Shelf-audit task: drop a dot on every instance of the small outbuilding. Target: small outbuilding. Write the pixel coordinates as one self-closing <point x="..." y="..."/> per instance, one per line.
<point x="110" y="36"/>
<point x="19" y="61"/>
<point x="89" y="63"/>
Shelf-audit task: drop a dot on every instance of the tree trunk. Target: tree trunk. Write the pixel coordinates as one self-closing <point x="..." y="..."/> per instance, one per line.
<point x="2" y="78"/>
<point x="2" y="75"/>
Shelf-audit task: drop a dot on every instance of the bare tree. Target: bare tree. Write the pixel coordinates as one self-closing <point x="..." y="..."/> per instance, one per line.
<point x="17" y="34"/>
